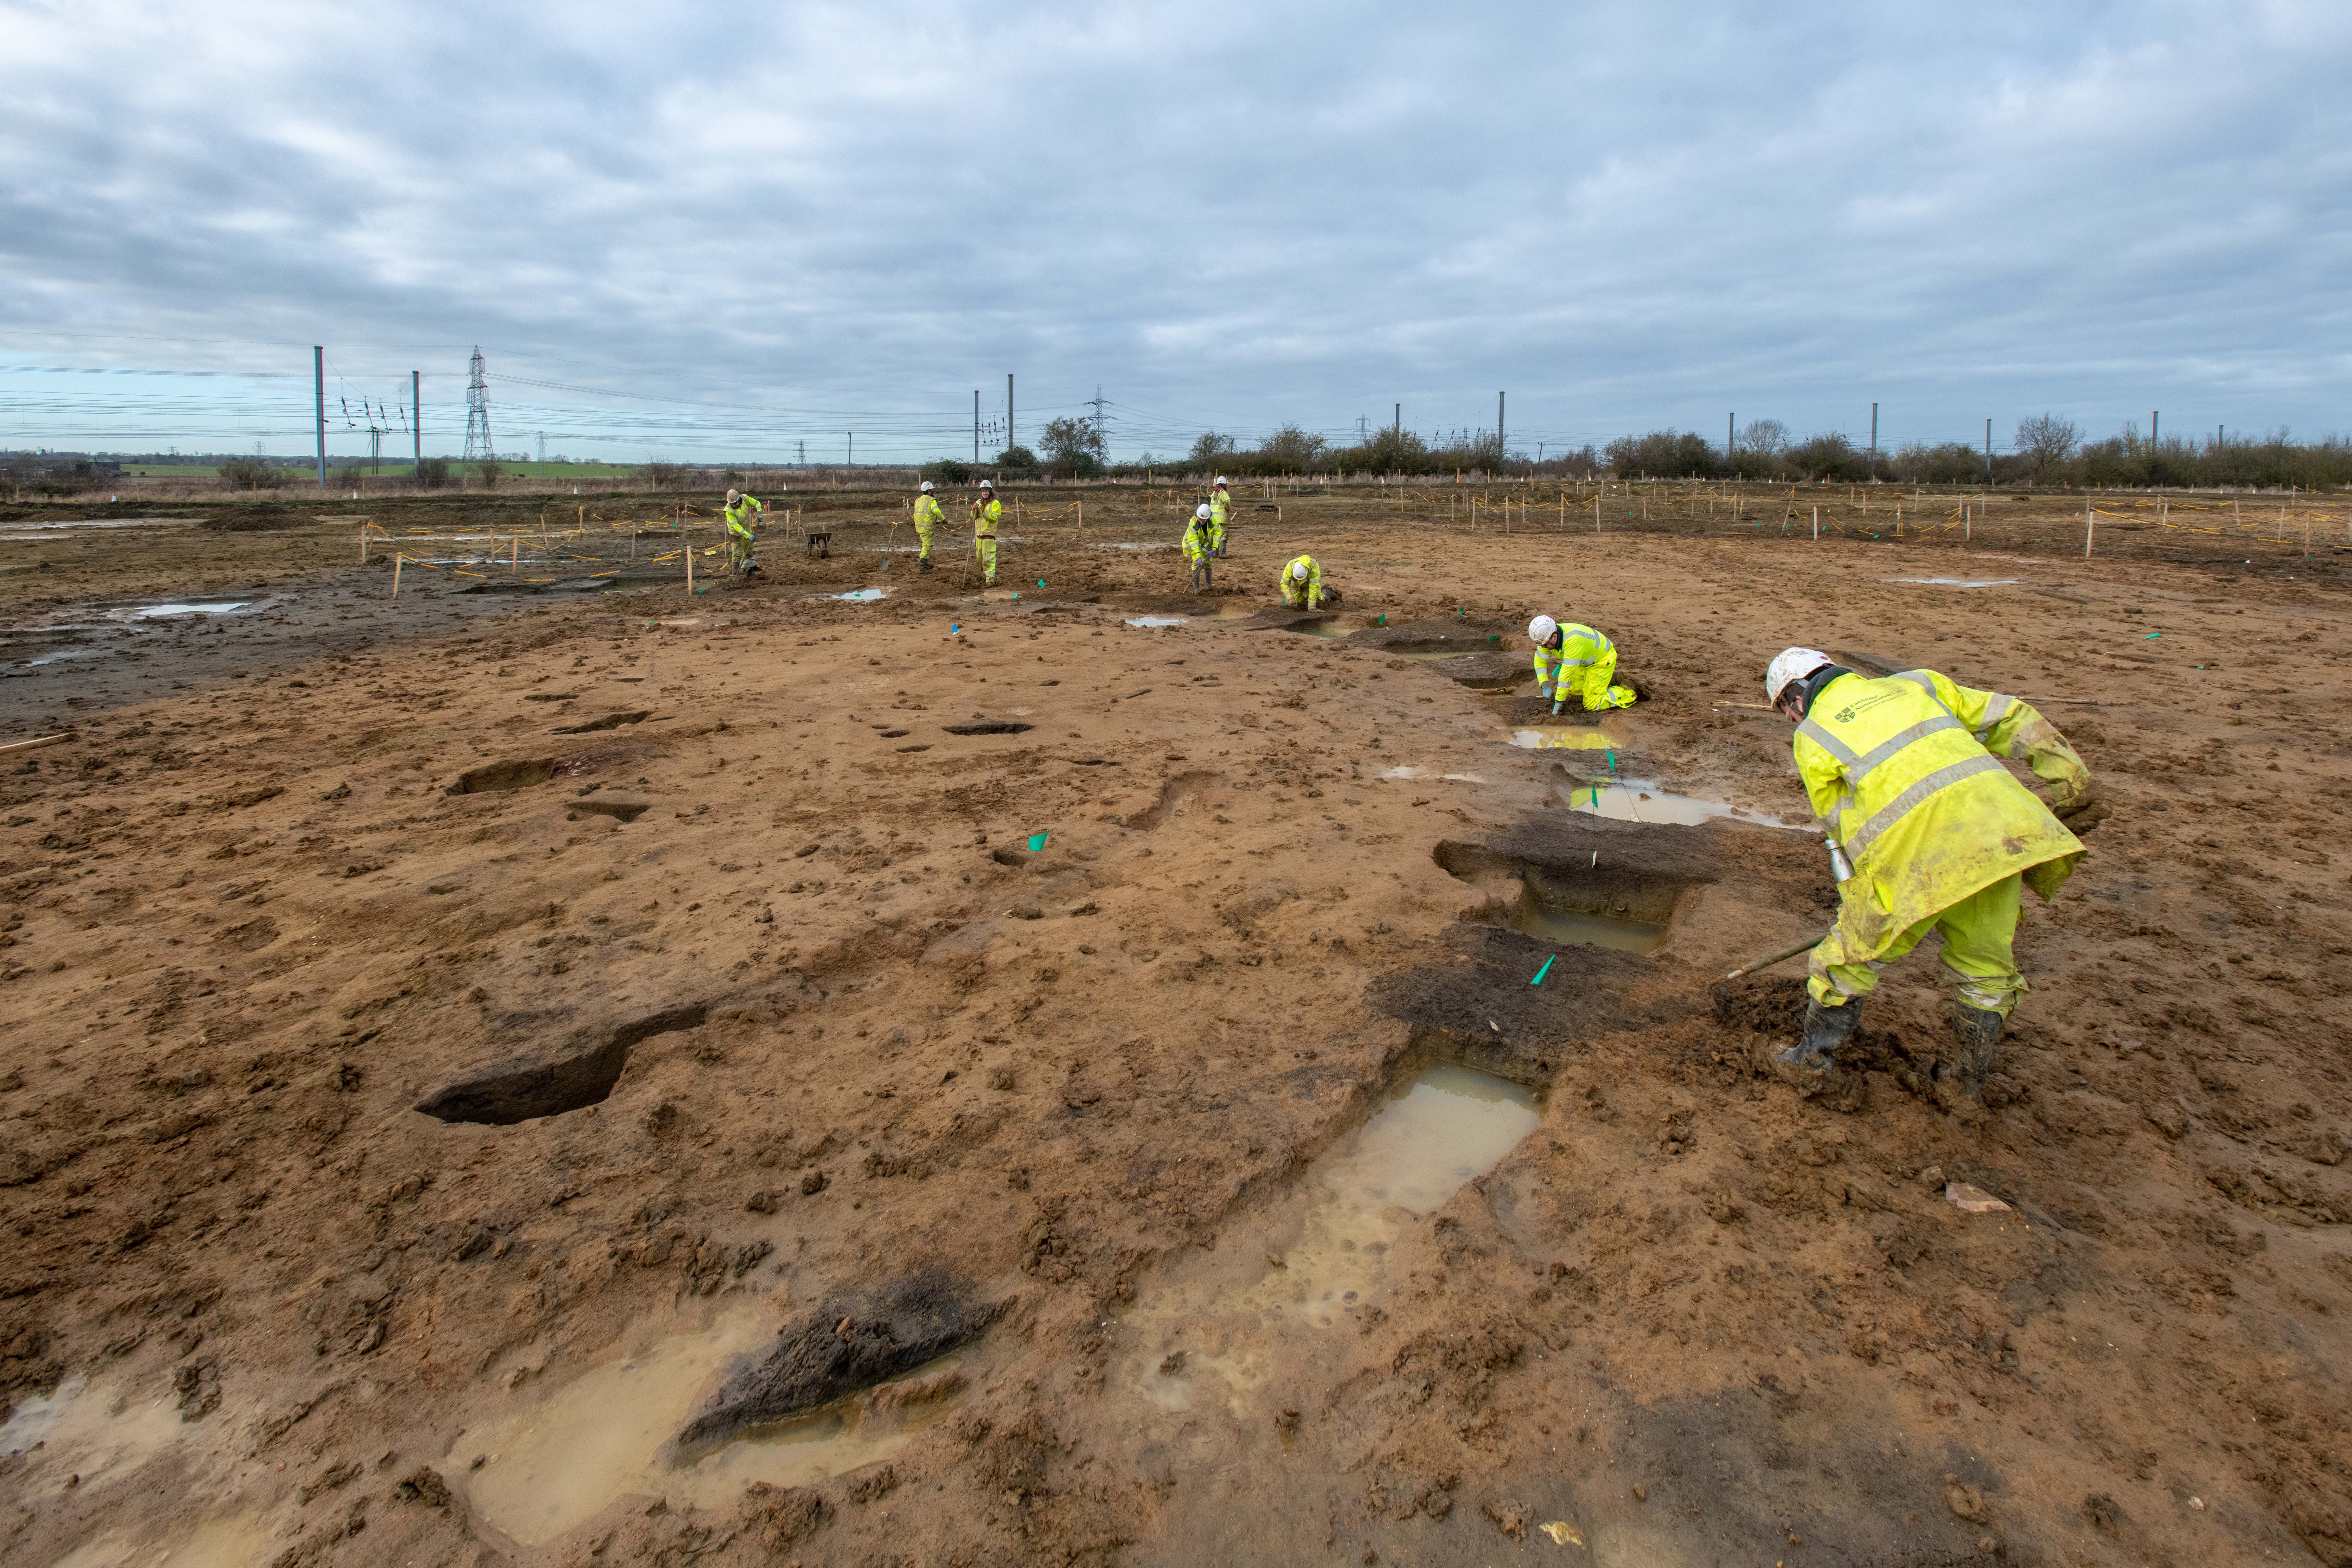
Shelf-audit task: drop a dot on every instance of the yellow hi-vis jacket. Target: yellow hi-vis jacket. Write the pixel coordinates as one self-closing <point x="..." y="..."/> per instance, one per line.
<point x="1580" y="667"/>
<point x="985" y="516"/>
<point x="926" y="511"/>
<point x="1901" y="770"/>
<point x="1197" y="540"/>
<point x="739" y="515"/>
<point x="1221" y="511"/>
<point x="1307" y="596"/>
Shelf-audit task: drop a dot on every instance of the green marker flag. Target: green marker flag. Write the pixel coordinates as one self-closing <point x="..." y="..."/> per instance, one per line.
<point x="1037" y="840"/>
<point x="1544" y="971"/>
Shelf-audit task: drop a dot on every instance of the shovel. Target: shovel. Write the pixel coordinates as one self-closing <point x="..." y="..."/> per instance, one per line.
<point x="1789" y="951"/>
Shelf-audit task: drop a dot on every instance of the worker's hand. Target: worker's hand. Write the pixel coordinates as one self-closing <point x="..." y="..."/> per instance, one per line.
<point x="2086" y="810"/>
<point x="1556" y="708"/>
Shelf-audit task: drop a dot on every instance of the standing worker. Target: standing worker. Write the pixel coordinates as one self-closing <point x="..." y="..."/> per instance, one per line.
<point x="928" y="516"/>
<point x="743" y="513"/>
<point x="1940" y="837"/>
<point x="1200" y="550"/>
<point x="1574" y="661"/>
<point x="1221" y="512"/>
<point x="987" y="511"/>
<point x="1302" y="585"/>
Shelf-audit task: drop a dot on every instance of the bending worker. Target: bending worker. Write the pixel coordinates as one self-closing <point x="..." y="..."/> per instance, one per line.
<point x="987" y="511"/>
<point x="743" y="513"/>
<point x="1199" y="549"/>
<point x="1221" y="512"/>
<point x="1302" y="588"/>
<point x="1941" y="838"/>
<point x="1574" y="661"/>
<point x="928" y="516"/>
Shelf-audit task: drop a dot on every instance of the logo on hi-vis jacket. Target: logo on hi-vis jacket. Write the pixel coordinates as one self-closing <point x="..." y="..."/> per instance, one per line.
<point x="1846" y="715"/>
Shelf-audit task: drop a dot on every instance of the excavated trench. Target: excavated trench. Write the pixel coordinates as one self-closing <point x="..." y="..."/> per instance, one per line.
<point x="1612" y="906"/>
<point x="522" y="1088"/>
<point x="520" y="774"/>
<point x="988" y="727"/>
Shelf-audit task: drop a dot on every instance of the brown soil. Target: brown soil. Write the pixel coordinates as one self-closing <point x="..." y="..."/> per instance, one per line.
<point x="346" y="1114"/>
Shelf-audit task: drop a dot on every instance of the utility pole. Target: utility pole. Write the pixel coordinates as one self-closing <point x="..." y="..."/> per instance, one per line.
<point x="1987" y="451"/>
<point x="852" y="461"/>
<point x="416" y="415"/>
<point x="1730" y="433"/>
<point x="2155" y="427"/>
<point x="975" y="424"/>
<point x="1008" y="410"/>
<point x="319" y="383"/>
<point x="1501" y="449"/>
<point x="542" y="445"/>
<point x="1098" y="408"/>
<point x="1399" y="421"/>
<point x="803" y="457"/>
<point x="1874" y="440"/>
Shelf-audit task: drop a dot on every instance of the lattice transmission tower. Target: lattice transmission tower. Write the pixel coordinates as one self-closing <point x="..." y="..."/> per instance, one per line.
<point x="477" y="414"/>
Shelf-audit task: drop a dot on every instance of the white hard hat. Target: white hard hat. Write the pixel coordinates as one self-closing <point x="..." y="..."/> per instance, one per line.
<point x="1791" y="664"/>
<point x="927" y="487"/>
<point x="1201" y="511"/>
<point x="1540" y="630"/>
<point x="1299" y="571"/>
<point x="734" y="496"/>
<point x="987" y="485"/>
<point x="1221" y="479"/>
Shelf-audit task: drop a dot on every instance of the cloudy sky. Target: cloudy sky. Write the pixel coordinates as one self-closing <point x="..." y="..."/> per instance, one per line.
<point x="719" y="231"/>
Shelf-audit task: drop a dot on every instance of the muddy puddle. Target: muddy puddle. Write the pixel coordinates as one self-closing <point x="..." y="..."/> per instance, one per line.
<point x="1559" y="906"/>
<point x="1645" y="800"/>
<point x="93" y="1431"/>
<point x="555" y="1460"/>
<point x="1226" y="1324"/>
<point x="1563" y="738"/>
<point x="1956" y="582"/>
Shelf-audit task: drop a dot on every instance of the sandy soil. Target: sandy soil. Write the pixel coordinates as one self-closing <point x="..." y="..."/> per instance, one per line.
<point x="768" y="1069"/>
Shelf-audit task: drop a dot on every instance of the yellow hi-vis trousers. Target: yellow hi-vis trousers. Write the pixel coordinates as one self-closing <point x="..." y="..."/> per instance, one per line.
<point x="1977" y="932"/>
<point x="986" y="544"/>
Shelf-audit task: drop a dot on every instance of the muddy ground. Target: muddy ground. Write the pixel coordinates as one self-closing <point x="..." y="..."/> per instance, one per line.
<point x="399" y="1069"/>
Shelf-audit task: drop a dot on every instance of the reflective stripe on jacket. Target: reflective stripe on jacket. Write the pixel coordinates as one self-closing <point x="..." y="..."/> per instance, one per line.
<point x="1562" y="672"/>
<point x="1901" y="771"/>
<point x="985" y="517"/>
<point x="739" y="515"/>
<point x="926" y="511"/>
<point x="1220" y="507"/>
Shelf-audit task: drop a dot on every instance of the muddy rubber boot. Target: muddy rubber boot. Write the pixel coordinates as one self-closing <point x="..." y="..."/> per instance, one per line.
<point x="923" y="565"/>
<point x="1808" y="1063"/>
<point x="1960" y="1083"/>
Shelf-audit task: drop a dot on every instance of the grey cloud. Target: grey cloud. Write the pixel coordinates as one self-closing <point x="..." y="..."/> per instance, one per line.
<point x="1628" y="216"/>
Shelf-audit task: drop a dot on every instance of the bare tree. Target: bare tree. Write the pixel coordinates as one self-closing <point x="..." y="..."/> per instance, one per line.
<point x="2046" y="439"/>
<point x="1209" y="447"/>
<point x="1765" y="438"/>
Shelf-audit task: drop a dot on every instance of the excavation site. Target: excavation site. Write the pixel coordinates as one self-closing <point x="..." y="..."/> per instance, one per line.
<point x="510" y="1054"/>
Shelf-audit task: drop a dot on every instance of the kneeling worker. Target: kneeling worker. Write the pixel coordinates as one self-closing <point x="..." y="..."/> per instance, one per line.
<point x="1941" y="838"/>
<point x="1200" y="547"/>
<point x="743" y="513"/>
<point x="928" y="516"/>
<point x="1574" y="661"/>
<point x="1303" y="588"/>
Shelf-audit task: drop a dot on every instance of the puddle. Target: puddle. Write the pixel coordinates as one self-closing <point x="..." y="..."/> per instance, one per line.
<point x="1413" y="773"/>
<point x="561" y="1460"/>
<point x="66" y="653"/>
<point x="860" y="595"/>
<point x="158" y="612"/>
<point x="1641" y="800"/>
<point x="1956" y="582"/>
<point x="1330" y="629"/>
<point x="1204" y="1336"/>
<point x="57" y="527"/>
<point x="1563" y="737"/>
<point x="91" y="1432"/>
<point x="1154" y="545"/>
<point x="1158" y="620"/>
<point x="1570" y="927"/>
